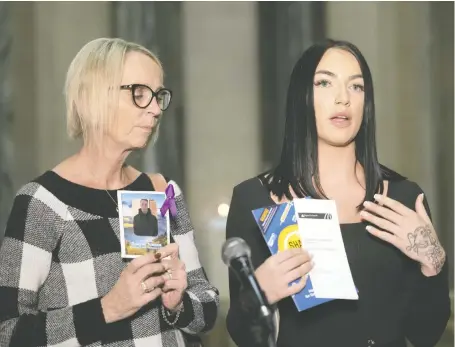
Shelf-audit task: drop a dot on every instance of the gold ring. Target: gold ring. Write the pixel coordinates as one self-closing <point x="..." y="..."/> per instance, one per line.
<point x="145" y="288"/>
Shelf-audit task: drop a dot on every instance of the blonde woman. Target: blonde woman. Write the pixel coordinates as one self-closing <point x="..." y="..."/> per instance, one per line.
<point x="62" y="279"/>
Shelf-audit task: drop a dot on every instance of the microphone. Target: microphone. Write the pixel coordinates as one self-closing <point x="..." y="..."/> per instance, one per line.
<point x="236" y="254"/>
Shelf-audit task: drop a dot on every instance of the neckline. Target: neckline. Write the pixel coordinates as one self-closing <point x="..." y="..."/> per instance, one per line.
<point x="72" y="185"/>
<point x="350" y="224"/>
<point x="98" y="202"/>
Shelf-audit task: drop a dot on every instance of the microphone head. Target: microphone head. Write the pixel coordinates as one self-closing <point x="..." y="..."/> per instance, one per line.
<point x="234" y="247"/>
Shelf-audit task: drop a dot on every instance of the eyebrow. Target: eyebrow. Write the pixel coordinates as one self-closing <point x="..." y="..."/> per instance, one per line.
<point x="331" y="74"/>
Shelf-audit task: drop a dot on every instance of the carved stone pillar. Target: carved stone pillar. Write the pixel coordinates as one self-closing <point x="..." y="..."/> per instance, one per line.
<point x="286" y="30"/>
<point x="6" y="117"/>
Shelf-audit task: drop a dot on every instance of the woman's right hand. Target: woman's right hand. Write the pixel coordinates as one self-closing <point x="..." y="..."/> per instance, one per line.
<point x="139" y="284"/>
<point x="282" y="268"/>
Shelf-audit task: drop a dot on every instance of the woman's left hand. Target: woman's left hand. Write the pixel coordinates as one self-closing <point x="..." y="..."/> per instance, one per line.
<point x="410" y="231"/>
<point x="175" y="280"/>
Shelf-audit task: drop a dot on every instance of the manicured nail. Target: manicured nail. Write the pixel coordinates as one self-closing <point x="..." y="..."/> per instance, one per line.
<point x="367" y="203"/>
<point x="377" y="196"/>
<point x="157" y="255"/>
<point x="369" y="228"/>
<point x="363" y="214"/>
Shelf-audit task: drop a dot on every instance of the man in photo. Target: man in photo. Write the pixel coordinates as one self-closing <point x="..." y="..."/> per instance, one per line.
<point x="145" y="223"/>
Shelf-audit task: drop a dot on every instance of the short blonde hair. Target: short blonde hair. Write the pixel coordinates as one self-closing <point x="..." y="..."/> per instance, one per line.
<point x="92" y="86"/>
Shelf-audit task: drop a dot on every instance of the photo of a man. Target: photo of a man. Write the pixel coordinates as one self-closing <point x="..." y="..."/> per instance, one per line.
<point x="145" y="222"/>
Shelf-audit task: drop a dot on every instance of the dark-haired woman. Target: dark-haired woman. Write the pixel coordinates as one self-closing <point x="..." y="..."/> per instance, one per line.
<point x="397" y="261"/>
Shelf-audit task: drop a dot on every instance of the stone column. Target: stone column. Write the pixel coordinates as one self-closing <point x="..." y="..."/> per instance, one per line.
<point x="442" y="50"/>
<point x="286" y="30"/>
<point x="6" y="116"/>
<point x="222" y="138"/>
<point x="47" y="36"/>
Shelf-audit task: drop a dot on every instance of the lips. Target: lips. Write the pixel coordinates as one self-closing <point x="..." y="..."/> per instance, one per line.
<point x="341" y="120"/>
<point x="340" y="116"/>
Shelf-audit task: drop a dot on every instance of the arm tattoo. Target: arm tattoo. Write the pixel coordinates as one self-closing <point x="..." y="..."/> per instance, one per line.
<point x="423" y="241"/>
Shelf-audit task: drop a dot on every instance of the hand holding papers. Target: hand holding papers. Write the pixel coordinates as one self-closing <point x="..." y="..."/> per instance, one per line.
<point x="320" y="233"/>
<point x="283" y="229"/>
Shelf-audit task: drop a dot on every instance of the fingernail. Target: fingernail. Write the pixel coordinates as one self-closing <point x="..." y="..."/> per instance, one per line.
<point x="368" y="227"/>
<point x="157" y="255"/>
<point x="363" y="214"/>
<point x="377" y="196"/>
<point x="367" y="203"/>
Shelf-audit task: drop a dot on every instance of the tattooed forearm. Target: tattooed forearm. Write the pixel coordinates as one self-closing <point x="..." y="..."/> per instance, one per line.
<point x="423" y="241"/>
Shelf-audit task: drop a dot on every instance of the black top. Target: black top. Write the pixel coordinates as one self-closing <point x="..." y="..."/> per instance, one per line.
<point x="145" y="224"/>
<point x="395" y="299"/>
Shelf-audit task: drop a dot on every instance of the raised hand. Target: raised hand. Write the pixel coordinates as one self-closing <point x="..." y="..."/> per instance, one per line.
<point x="410" y="231"/>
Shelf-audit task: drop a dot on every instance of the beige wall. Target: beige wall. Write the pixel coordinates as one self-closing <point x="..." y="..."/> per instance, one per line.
<point x="221" y="122"/>
<point x="47" y="35"/>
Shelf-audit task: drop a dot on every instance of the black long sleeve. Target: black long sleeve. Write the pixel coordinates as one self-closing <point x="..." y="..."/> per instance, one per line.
<point x="396" y="301"/>
<point x="429" y="306"/>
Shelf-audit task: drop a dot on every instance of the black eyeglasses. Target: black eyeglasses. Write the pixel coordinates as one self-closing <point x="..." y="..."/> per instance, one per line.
<point x="143" y="95"/>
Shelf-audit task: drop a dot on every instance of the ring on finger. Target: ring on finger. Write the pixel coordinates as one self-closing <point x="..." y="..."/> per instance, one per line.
<point x="145" y="288"/>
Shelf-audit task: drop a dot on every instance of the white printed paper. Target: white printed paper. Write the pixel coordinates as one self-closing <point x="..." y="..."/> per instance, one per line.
<point x="320" y="234"/>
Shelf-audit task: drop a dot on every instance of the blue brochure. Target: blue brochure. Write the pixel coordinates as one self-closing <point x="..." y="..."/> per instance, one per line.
<point x="279" y="228"/>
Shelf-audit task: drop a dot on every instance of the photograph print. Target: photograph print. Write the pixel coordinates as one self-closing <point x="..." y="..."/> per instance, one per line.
<point x="142" y="227"/>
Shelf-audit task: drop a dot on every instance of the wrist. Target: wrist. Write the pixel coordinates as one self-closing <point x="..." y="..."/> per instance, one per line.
<point x="432" y="265"/>
<point x="271" y="299"/>
<point x="109" y="312"/>
<point x="176" y="308"/>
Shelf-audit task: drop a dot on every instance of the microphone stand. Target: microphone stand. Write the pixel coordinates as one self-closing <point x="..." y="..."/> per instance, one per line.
<point x="264" y="329"/>
<point x="270" y="326"/>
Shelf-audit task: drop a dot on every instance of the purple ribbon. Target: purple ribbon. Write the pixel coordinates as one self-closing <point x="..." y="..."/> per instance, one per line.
<point x="169" y="203"/>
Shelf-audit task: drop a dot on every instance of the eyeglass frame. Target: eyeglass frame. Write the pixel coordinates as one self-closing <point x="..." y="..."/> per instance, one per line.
<point x="132" y="87"/>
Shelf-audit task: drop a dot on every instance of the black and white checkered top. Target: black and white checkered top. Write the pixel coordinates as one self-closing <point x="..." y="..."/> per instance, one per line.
<point x="61" y="255"/>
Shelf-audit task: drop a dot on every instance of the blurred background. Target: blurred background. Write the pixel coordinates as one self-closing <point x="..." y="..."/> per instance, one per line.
<point x="228" y="64"/>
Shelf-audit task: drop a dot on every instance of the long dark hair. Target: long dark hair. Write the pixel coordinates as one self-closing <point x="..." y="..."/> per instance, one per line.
<point x="298" y="165"/>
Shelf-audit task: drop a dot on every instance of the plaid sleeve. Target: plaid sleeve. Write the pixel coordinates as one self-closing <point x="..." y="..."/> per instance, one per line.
<point x="26" y="257"/>
<point x="201" y="299"/>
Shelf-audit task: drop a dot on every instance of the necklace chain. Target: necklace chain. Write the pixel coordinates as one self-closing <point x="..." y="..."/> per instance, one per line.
<point x="116" y="205"/>
<point x="110" y="196"/>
